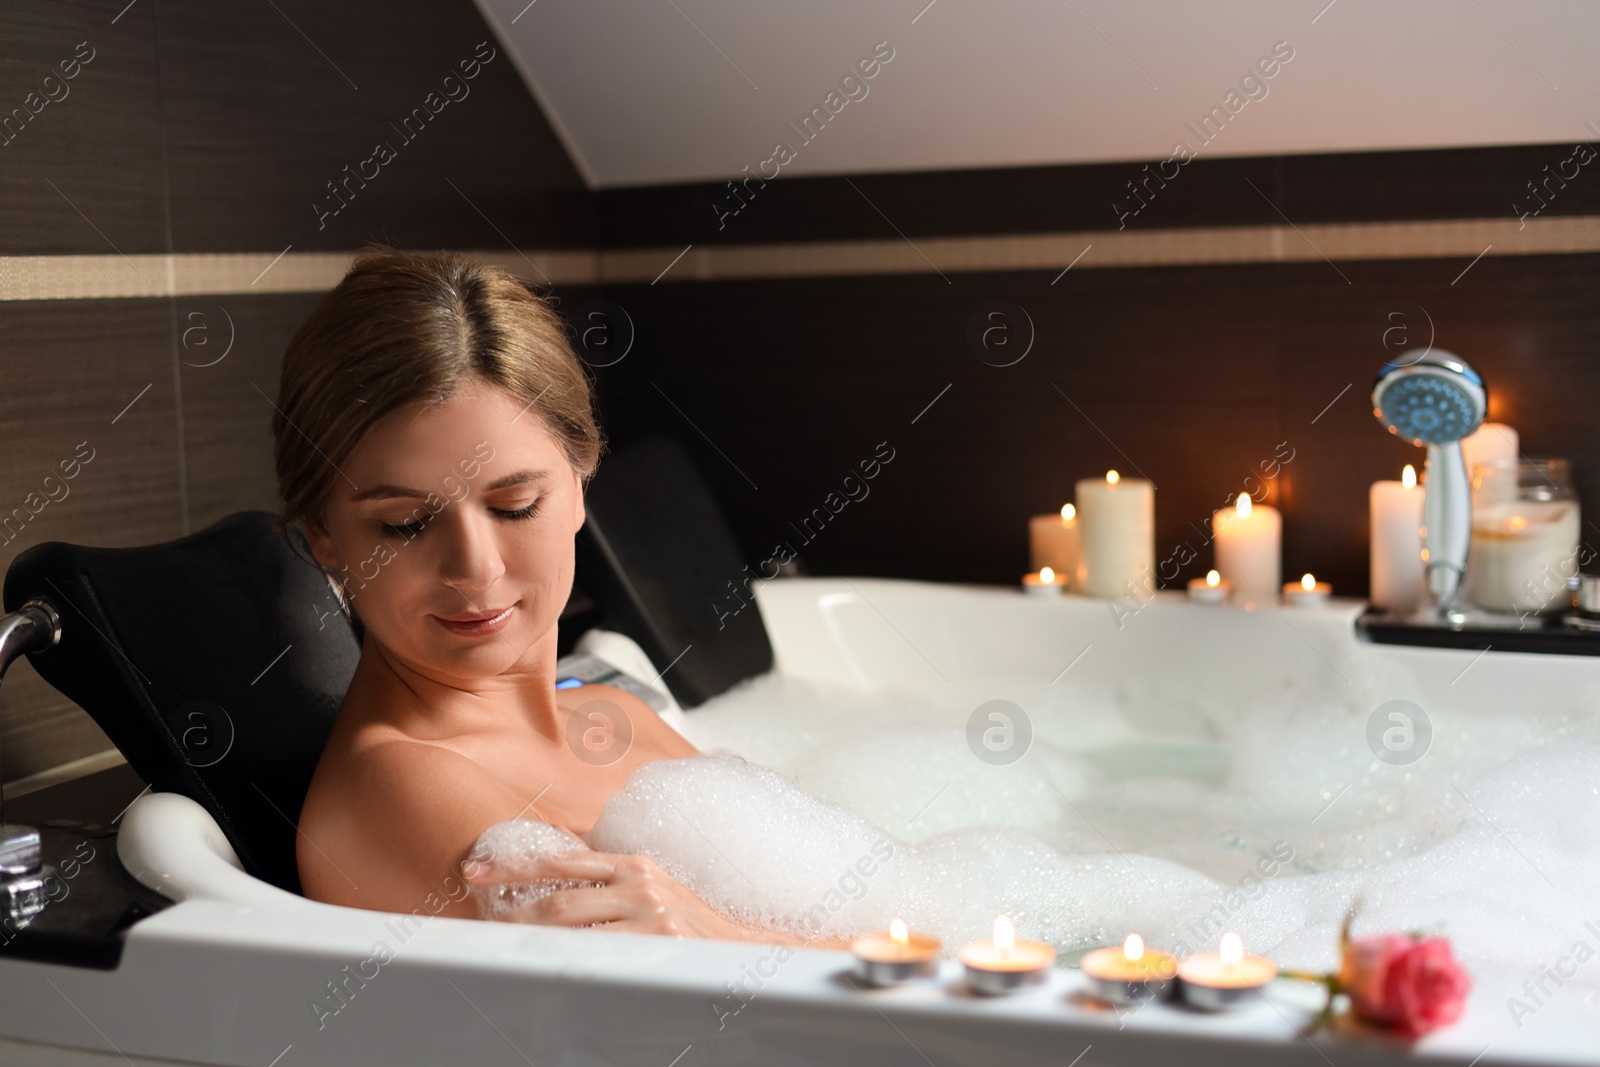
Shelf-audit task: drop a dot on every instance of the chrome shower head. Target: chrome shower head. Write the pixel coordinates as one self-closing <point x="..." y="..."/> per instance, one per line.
<point x="1432" y="399"/>
<point x="1435" y="399"/>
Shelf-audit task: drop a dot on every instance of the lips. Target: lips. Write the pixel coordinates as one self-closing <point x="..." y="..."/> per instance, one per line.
<point x="477" y="623"/>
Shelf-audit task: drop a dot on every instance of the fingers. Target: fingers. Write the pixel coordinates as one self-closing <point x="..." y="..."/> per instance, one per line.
<point x="584" y="906"/>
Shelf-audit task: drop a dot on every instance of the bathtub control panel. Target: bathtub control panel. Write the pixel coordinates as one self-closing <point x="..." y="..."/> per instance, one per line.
<point x="580" y="670"/>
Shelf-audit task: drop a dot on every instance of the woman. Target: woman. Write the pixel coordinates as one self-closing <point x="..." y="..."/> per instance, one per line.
<point x="434" y="438"/>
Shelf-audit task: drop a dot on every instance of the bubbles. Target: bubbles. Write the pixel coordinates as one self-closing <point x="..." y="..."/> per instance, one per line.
<point x="514" y="847"/>
<point x="1399" y="732"/>
<point x="999" y="732"/>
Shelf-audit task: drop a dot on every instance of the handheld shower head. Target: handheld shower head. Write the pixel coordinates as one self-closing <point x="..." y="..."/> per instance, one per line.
<point x="1435" y="400"/>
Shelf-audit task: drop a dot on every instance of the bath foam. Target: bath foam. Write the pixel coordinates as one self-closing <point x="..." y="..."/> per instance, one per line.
<point x="513" y="847"/>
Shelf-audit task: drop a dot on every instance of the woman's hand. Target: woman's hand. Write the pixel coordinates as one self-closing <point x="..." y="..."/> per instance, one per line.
<point x="634" y="894"/>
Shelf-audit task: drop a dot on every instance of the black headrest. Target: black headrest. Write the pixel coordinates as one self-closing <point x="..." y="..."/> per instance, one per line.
<point x="216" y="663"/>
<point x="658" y="558"/>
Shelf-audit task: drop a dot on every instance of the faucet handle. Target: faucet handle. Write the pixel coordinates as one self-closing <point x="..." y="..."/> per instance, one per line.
<point x="20" y="852"/>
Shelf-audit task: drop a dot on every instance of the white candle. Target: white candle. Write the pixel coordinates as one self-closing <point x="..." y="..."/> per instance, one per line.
<point x="1398" y="580"/>
<point x="1493" y="442"/>
<point x="1004" y="964"/>
<point x="1212" y="589"/>
<point x="1307" y="592"/>
<point x="1053" y="543"/>
<point x="1117" y="527"/>
<point x="1044" y="583"/>
<point x="1226" y="978"/>
<point x="1249" y="549"/>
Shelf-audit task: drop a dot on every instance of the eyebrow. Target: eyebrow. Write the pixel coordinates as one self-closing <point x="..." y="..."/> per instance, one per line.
<point x="388" y="492"/>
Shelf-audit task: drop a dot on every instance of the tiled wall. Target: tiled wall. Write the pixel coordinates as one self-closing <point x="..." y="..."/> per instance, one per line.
<point x="785" y="343"/>
<point x="199" y="127"/>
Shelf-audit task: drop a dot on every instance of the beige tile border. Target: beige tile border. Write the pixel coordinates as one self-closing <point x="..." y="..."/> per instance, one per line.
<point x="105" y="277"/>
<point x="100" y="277"/>
<point x="64" y="772"/>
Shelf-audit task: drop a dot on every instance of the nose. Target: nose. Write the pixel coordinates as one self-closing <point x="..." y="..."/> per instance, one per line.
<point x="472" y="560"/>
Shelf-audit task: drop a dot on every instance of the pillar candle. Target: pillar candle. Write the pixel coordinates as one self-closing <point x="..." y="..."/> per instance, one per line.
<point x="1398" y="580"/>
<point x="1249" y="553"/>
<point x="1053" y="543"/>
<point x="1493" y="442"/>
<point x="1117" y="530"/>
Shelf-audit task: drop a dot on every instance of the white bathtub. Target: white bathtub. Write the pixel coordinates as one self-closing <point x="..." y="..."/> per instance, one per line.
<point x="230" y="973"/>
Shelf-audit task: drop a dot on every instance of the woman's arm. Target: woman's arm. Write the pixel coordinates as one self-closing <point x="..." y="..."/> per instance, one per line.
<point x="396" y="830"/>
<point x="634" y="894"/>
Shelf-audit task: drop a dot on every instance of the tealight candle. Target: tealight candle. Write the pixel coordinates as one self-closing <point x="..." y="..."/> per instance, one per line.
<point x="1053" y="543"/>
<point x="1006" y="964"/>
<point x="1223" y="979"/>
<point x="1130" y="973"/>
<point x="1042" y="584"/>
<point x="1249" y="536"/>
<point x="1212" y="589"/>
<point x="899" y="956"/>
<point x="1307" y="592"/>
<point x="1117" y="527"/>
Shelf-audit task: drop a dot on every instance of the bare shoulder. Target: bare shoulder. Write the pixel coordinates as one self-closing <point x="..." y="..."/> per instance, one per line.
<point x="387" y="823"/>
<point x="649" y="729"/>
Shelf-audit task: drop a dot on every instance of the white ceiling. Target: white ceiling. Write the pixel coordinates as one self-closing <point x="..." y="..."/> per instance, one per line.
<point x="647" y="92"/>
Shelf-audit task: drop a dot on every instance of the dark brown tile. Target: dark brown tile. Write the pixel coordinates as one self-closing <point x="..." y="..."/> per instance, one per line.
<point x="83" y="174"/>
<point x="90" y="385"/>
<point x="267" y="104"/>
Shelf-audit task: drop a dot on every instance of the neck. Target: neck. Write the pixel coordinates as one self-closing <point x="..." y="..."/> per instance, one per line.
<point x="424" y="702"/>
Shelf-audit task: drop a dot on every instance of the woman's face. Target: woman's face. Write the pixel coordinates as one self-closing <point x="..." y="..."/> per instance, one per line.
<point x="452" y="528"/>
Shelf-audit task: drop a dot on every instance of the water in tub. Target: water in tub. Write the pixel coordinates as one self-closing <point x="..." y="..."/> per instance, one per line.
<point x="1265" y="814"/>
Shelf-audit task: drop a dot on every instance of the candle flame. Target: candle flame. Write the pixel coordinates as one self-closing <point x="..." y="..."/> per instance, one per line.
<point x="1112" y="477"/>
<point x="1307" y="582"/>
<point x="1408" y="477"/>
<point x="898" y="932"/>
<point x="1068" y="512"/>
<point x="1005" y="938"/>
<point x="1232" y="949"/>
<point x="1213" y="579"/>
<point x="1046" y="575"/>
<point x="1133" y="948"/>
<point x="1242" y="505"/>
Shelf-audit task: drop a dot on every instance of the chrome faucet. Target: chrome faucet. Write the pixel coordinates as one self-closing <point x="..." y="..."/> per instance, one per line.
<point x="24" y="876"/>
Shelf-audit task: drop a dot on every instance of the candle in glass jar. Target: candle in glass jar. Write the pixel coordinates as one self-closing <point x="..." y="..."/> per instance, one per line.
<point x="1249" y="549"/>
<point x="1053" y="543"/>
<point x="1004" y="964"/>
<point x="899" y="956"/>
<point x="1399" y="582"/>
<point x="1117" y="531"/>
<point x="1226" y="978"/>
<point x="1129" y="973"/>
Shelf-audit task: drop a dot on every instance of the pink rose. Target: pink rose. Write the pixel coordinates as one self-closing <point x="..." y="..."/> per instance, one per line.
<point x="1409" y="984"/>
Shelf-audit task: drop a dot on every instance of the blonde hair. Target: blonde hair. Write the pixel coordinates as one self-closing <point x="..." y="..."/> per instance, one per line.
<point x="413" y="327"/>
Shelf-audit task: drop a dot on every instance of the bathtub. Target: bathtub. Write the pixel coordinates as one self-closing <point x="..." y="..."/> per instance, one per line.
<point x="233" y="972"/>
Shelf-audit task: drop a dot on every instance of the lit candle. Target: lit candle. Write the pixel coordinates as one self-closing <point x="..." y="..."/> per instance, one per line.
<point x="1492" y="442"/>
<point x="1130" y="973"/>
<point x="1249" y="538"/>
<point x="899" y="956"/>
<point x="1004" y="963"/>
<point x="1399" y="583"/>
<point x="1042" y="584"/>
<point x="1307" y="592"/>
<point x="1117" y="527"/>
<point x="1212" y="589"/>
<point x="1225" y="978"/>
<point x="1053" y="543"/>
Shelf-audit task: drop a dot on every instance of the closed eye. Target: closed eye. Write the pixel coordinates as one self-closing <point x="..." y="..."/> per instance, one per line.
<point x="409" y="530"/>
